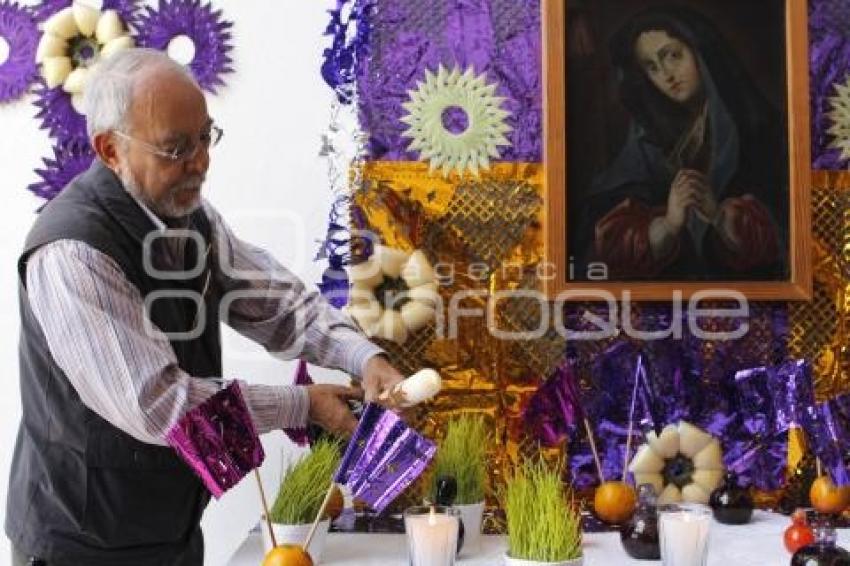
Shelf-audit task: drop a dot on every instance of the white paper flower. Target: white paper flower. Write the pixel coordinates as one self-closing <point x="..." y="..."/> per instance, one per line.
<point x="685" y="463"/>
<point x="73" y="41"/>
<point x="393" y="293"/>
<point x="839" y="115"/>
<point x="473" y="147"/>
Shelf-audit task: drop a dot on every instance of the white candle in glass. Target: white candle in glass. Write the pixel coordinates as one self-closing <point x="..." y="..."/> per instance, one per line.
<point x="431" y="535"/>
<point x="683" y="534"/>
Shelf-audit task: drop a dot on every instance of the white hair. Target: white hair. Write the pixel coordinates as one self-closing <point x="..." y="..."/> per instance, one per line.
<point x="109" y="90"/>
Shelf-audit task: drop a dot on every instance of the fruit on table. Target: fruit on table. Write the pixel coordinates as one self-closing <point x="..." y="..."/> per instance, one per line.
<point x="614" y="502"/>
<point x="287" y="555"/>
<point x="799" y="534"/>
<point x="335" y="505"/>
<point x="827" y="497"/>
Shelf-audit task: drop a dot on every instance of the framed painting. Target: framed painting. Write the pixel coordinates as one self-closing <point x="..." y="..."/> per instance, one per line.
<point x="677" y="148"/>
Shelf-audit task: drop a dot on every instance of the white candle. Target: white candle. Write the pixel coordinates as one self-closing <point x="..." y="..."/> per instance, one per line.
<point x="431" y="536"/>
<point x="683" y="534"/>
<point x="418" y="388"/>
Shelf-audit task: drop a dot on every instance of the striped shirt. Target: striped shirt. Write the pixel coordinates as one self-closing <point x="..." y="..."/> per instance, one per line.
<point x="127" y="372"/>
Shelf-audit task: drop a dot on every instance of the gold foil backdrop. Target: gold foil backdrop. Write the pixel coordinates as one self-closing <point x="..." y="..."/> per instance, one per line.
<point x="484" y="235"/>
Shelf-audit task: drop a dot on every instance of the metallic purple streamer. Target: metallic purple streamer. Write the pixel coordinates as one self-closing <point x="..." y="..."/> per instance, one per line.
<point x="217" y="439"/>
<point x="829" y="63"/>
<point x="498" y="37"/>
<point x="341" y="59"/>
<point x="827" y="425"/>
<point x="156" y="27"/>
<point x="336" y="249"/>
<point x="383" y="457"/>
<point x="19" y="70"/>
<point x="69" y="160"/>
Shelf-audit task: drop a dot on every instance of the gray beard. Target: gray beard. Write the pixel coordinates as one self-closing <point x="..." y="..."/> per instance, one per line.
<point x="166" y="207"/>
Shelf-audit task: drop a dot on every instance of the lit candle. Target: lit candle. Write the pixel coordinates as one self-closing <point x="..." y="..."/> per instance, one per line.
<point x="683" y="534"/>
<point x="431" y="535"/>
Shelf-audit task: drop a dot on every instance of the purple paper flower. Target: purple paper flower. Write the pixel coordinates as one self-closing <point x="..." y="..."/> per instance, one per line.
<point x="829" y="66"/>
<point x="58" y="116"/>
<point x="202" y="25"/>
<point x="18" y="71"/>
<point x="69" y="160"/>
<point x="125" y="8"/>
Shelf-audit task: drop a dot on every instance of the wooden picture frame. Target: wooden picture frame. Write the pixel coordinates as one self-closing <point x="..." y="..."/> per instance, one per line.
<point x="786" y="275"/>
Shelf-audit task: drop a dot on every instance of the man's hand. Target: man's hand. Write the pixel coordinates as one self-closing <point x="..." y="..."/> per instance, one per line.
<point x="378" y="377"/>
<point x="329" y="410"/>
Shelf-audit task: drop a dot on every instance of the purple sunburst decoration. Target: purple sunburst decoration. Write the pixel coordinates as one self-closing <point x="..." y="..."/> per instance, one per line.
<point x="69" y="160"/>
<point x="19" y="31"/>
<point x="206" y="29"/>
<point x="58" y="116"/>
<point x="125" y="8"/>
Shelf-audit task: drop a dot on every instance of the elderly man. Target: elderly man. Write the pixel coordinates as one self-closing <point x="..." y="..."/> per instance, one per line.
<point x="120" y="333"/>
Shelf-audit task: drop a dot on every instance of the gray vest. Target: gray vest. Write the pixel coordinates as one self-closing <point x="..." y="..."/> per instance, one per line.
<point x="82" y="491"/>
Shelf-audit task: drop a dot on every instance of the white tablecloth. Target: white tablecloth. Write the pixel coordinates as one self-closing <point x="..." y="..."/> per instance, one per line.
<point x="756" y="544"/>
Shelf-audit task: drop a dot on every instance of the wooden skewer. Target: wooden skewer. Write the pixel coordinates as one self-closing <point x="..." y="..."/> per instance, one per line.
<point x="593" y="450"/>
<point x="819" y="467"/>
<point x="319" y="515"/>
<point x="265" y="507"/>
<point x="638" y="376"/>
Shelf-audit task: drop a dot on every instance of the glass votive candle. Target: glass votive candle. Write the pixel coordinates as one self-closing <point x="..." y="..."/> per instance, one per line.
<point x="431" y="535"/>
<point x="683" y="533"/>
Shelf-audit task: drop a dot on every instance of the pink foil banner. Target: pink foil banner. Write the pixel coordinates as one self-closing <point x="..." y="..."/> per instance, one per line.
<point x="217" y="439"/>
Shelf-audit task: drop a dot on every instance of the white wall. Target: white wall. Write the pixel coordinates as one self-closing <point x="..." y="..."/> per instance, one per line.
<point x="266" y="178"/>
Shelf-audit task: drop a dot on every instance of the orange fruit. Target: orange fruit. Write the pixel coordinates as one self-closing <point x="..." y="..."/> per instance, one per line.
<point x="827" y="497"/>
<point x="335" y="505"/>
<point x="614" y="502"/>
<point x="287" y="555"/>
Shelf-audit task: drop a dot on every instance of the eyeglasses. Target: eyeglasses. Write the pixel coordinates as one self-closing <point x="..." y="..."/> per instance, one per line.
<point x="182" y="152"/>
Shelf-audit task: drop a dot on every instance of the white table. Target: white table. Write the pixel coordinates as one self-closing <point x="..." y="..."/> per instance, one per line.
<point x="756" y="544"/>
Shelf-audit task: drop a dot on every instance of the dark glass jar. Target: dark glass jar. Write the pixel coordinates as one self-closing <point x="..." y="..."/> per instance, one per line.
<point x="639" y="534"/>
<point x="823" y="552"/>
<point x="731" y="504"/>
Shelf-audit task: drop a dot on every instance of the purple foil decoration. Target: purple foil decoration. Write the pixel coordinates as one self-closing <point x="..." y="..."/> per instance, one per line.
<point x="18" y="71"/>
<point x="69" y="160"/>
<point x="829" y="63"/>
<point x="498" y="37"/>
<point x="383" y="457"/>
<point x="58" y="117"/>
<point x="302" y="377"/>
<point x="342" y="57"/>
<point x="217" y="439"/>
<point x="779" y="395"/>
<point x="336" y="249"/>
<point x="760" y="461"/>
<point x="828" y="428"/>
<point x="156" y="27"/>
<point x="679" y="385"/>
<point x="126" y="8"/>
<point x="555" y="410"/>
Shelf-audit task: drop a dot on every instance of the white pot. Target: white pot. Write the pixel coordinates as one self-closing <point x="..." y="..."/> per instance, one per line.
<point x="518" y="562"/>
<point x="295" y="534"/>
<point x="471" y="515"/>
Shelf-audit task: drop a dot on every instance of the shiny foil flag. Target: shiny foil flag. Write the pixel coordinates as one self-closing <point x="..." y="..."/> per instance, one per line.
<point x="828" y="427"/>
<point x="217" y="439"/>
<point x="383" y="458"/>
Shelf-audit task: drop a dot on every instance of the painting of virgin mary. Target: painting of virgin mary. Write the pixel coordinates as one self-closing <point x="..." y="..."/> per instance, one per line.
<point x="697" y="187"/>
